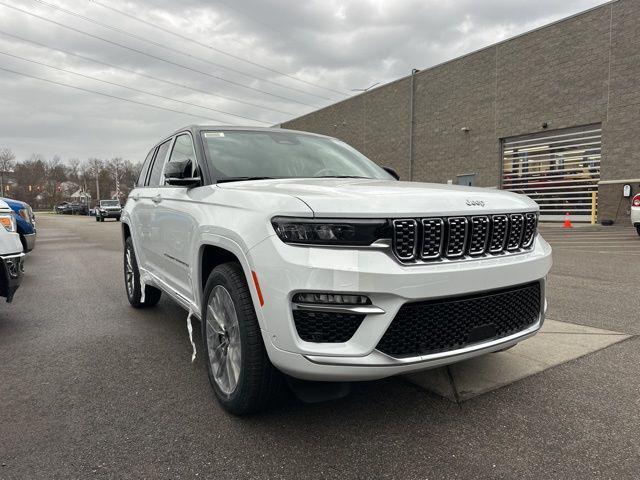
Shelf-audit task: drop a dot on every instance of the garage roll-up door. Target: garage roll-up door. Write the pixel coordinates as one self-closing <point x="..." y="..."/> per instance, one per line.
<point x="558" y="169"/>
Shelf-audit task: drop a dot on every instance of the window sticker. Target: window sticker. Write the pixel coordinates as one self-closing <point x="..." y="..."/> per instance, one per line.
<point x="213" y="134"/>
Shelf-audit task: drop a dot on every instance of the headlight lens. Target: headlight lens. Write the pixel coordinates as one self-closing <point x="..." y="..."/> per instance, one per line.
<point x="8" y="221"/>
<point x="314" y="231"/>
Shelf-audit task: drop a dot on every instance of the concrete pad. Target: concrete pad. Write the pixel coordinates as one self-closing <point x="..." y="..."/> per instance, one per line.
<point x="556" y="343"/>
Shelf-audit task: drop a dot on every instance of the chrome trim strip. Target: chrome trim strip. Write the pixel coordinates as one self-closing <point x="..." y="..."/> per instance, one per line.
<point x="362" y="309"/>
<point x="394" y="362"/>
<point x="180" y="299"/>
<point x="12" y="255"/>
<point x="380" y="244"/>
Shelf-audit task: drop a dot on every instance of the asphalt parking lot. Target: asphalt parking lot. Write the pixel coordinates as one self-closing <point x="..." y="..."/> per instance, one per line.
<point x="91" y="388"/>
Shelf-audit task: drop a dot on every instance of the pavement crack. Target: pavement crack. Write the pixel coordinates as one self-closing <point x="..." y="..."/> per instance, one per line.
<point x="452" y="383"/>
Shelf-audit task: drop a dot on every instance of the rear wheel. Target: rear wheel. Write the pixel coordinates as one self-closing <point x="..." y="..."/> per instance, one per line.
<point x="132" y="280"/>
<point x="638" y="229"/>
<point x="240" y="372"/>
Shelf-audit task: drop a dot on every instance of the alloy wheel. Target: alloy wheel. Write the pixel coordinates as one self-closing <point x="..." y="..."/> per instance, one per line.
<point x="128" y="272"/>
<point x="223" y="340"/>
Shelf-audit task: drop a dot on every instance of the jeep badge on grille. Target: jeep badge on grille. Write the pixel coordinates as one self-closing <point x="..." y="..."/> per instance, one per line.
<point x="475" y="203"/>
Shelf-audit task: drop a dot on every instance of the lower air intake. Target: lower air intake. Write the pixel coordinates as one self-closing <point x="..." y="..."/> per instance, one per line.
<point x="452" y="323"/>
<point x="326" y="327"/>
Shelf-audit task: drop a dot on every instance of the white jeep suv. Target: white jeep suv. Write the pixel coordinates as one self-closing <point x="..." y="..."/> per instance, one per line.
<point x="303" y="257"/>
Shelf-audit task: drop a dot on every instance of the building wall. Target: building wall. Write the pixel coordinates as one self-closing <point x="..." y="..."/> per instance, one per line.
<point x="579" y="71"/>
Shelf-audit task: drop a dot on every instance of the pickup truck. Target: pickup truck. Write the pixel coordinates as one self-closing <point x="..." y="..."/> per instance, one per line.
<point x="11" y="254"/>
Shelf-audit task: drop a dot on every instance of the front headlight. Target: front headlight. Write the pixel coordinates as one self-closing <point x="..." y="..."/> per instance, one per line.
<point x="322" y="231"/>
<point x="8" y="221"/>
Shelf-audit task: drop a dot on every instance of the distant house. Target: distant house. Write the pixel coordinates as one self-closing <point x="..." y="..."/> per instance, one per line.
<point x="81" y="197"/>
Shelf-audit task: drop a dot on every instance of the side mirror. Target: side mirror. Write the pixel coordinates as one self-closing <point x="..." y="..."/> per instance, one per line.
<point x="392" y="172"/>
<point x="180" y="174"/>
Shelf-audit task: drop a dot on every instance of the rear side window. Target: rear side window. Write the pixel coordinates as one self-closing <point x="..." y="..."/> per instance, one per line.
<point x="156" y="170"/>
<point x="145" y="168"/>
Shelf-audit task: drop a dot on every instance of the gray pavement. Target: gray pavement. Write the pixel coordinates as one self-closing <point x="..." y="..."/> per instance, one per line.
<point x="90" y="388"/>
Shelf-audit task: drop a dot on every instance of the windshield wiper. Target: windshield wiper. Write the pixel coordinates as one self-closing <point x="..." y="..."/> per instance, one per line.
<point x="239" y="179"/>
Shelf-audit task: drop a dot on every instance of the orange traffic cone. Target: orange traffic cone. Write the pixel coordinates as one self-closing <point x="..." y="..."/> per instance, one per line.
<point x="567" y="221"/>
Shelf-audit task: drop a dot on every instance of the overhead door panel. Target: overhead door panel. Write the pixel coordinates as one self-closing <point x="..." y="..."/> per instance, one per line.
<point x="559" y="170"/>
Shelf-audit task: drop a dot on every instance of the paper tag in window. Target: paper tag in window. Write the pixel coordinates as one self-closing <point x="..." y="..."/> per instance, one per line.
<point x="213" y="134"/>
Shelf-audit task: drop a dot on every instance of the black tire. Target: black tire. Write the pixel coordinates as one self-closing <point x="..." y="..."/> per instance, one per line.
<point x="638" y="229"/>
<point x="97" y="219"/>
<point x="259" y="382"/>
<point x="134" y="295"/>
<point x="117" y="219"/>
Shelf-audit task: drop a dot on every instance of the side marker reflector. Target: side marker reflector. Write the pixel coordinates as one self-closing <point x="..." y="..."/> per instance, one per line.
<point x="255" y="282"/>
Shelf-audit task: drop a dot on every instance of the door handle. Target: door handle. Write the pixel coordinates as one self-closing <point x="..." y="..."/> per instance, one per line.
<point x="156" y="199"/>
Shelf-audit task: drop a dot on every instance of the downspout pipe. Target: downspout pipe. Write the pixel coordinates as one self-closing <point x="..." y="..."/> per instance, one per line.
<point x="411" y="121"/>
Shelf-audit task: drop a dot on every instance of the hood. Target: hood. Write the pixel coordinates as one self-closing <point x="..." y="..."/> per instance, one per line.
<point x="15" y="204"/>
<point x="355" y="197"/>
<point x="4" y="207"/>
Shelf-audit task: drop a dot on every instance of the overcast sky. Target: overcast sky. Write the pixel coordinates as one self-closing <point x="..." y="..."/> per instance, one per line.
<point x="331" y="46"/>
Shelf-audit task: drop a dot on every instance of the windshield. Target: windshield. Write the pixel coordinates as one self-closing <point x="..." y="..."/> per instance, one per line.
<point x="249" y="154"/>
<point x="109" y="203"/>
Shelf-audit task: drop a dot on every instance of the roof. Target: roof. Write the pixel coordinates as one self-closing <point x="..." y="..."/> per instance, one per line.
<point x="195" y="129"/>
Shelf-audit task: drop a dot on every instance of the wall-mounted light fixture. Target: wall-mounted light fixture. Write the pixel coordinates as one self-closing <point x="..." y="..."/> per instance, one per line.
<point x="465" y="129"/>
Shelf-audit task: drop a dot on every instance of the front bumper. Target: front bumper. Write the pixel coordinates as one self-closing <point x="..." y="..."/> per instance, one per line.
<point x="10" y="274"/>
<point x="635" y="216"/>
<point x="110" y="214"/>
<point x="284" y="270"/>
<point x="29" y="241"/>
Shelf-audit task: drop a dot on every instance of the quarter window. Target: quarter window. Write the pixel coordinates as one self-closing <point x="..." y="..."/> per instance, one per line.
<point x="145" y="168"/>
<point x="156" y="170"/>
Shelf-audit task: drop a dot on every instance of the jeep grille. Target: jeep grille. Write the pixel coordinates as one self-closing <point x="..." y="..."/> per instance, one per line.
<point x="437" y="238"/>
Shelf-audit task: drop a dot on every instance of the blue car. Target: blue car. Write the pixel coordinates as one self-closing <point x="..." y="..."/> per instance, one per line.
<point x="26" y="221"/>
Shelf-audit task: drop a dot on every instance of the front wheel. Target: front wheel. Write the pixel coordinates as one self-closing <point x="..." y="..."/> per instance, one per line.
<point x="132" y="280"/>
<point x="241" y="374"/>
<point x="638" y="229"/>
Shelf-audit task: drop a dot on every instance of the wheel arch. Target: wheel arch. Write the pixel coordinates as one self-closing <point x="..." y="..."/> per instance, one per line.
<point x="219" y="250"/>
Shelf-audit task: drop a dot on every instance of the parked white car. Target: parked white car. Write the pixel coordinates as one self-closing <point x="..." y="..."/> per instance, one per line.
<point x="11" y="253"/>
<point x="303" y="257"/>
<point x="635" y="212"/>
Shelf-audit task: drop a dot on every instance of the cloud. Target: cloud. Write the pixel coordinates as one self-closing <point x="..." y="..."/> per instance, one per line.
<point x="338" y="44"/>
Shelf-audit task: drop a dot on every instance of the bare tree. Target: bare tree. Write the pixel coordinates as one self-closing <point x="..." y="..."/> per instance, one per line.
<point x="74" y="170"/>
<point x="83" y="173"/>
<point x="7" y="163"/>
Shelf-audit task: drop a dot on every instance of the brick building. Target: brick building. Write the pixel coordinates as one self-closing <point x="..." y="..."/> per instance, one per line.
<point x="553" y="113"/>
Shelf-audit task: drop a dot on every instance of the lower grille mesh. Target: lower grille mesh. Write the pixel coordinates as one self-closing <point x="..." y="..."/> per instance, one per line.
<point x="326" y="327"/>
<point x="433" y="326"/>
